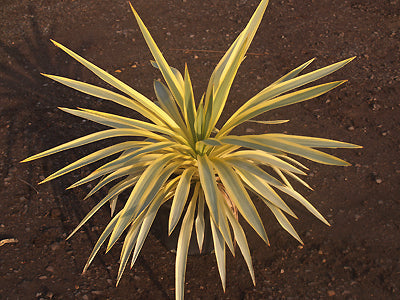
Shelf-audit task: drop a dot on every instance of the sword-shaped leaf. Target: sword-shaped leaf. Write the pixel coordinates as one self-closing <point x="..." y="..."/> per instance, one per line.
<point x="143" y="193"/>
<point x="312" y="142"/>
<point x="129" y="243"/>
<point x="253" y="169"/>
<point x="242" y="41"/>
<point x="265" y="158"/>
<point x="148" y="215"/>
<point x="240" y="238"/>
<point x="115" y="191"/>
<point x="151" y="213"/>
<point x="291" y="192"/>
<point x="200" y="226"/>
<point x="124" y="171"/>
<point x="189" y="105"/>
<point x="107" y="231"/>
<point x="94" y="137"/>
<point x="179" y="201"/>
<point x="280" y="216"/>
<point x="116" y="121"/>
<point x="167" y="103"/>
<point x="176" y="72"/>
<point x="240" y="197"/>
<point x="91" y="158"/>
<point x="172" y="82"/>
<point x="271" y="122"/>
<point x="284" y="100"/>
<point x="182" y="249"/>
<point x="219" y="247"/>
<point x="222" y="90"/>
<point x="297" y="149"/>
<point x="288" y="85"/>
<point x="209" y="185"/>
<point x="223" y="223"/>
<point x="248" y="142"/>
<point x="106" y="95"/>
<point x="290" y="75"/>
<point x="145" y="102"/>
<point x="263" y="189"/>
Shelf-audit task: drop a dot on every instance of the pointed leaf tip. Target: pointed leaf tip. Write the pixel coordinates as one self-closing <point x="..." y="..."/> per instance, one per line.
<point x="133" y="10"/>
<point x="55" y="43"/>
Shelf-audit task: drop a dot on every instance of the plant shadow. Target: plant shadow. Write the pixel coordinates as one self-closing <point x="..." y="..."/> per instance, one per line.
<point x="26" y="97"/>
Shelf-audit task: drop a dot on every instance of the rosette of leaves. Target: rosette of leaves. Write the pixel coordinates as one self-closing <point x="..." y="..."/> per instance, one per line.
<point x="181" y="156"/>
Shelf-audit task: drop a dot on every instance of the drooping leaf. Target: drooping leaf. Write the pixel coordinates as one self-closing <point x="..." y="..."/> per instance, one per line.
<point x="182" y="249"/>
<point x="240" y="238"/>
<point x="209" y="185"/>
<point x="116" y="121"/>
<point x="263" y="189"/>
<point x="265" y="158"/>
<point x="95" y="156"/>
<point x="283" y="221"/>
<point x="107" y="231"/>
<point x="115" y="191"/>
<point x="94" y="137"/>
<point x="129" y="243"/>
<point x="200" y="226"/>
<point x="291" y="192"/>
<point x="138" y="197"/>
<point x="179" y="201"/>
<point x="240" y="197"/>
<point x="297" y="149"/>
<point x="312" y="142"/>
<point x="219" y="247"/>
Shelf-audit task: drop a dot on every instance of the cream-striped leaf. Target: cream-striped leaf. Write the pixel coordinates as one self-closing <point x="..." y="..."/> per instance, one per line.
<point x="179" y="201"/>
<point x="182" y="249"/>
<point x="240" y="197"/>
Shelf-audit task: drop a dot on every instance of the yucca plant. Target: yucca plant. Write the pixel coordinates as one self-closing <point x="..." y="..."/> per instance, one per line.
<point x="182" y="156"/>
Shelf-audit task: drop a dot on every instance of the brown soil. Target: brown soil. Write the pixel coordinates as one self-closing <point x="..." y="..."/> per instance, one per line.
<point x="356" y="258"/>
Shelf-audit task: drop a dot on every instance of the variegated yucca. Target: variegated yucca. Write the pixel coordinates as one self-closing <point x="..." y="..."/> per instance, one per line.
<point x="182" y="156"/>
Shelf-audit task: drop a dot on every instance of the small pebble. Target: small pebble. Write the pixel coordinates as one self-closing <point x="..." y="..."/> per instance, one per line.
<point x="54" y="246"/>
<point x="331" y="293"/>
<point x="97" y="293"/>
<point x="50" y="269"/>
<point x="250" y="130"/>
<point x="55" y="213"/>
<point x="350" y="128"/>
<point x="378" y="181"/>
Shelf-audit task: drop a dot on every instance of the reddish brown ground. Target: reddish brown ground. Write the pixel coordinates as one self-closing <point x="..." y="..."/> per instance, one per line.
<point x="356" y="258"/>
